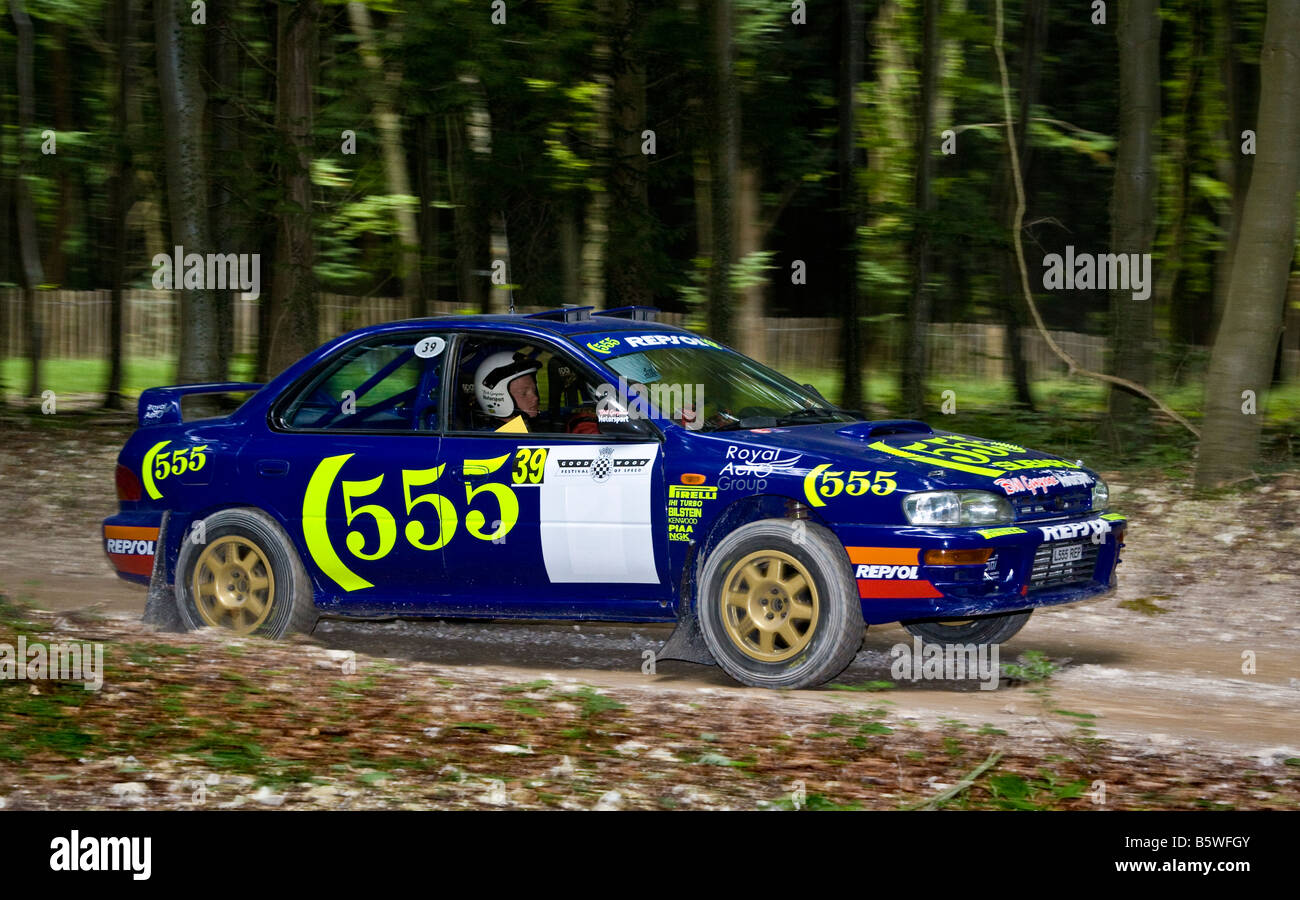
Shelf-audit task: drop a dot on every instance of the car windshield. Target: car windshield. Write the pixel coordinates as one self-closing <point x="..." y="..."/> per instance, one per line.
<point x="716" y="390"/>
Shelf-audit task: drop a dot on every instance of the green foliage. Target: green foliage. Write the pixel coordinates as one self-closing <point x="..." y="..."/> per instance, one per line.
<point x="1032" y="666"/>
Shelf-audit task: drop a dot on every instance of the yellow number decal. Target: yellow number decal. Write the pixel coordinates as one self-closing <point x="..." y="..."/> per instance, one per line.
<point x="884" y="484"/>
<point x="530" y="465"/>
<point x="147" y="470"/>
<point x="810" y="485"/>
<point x="315" y="529"/>
<point x="180" y="461"/>
<point x="475" y="520"/>
<point x="857" y="480"/>
<point x="384" y="522"/>
<point x="197" y="457"/>
<point x="414" y="530"/>
<point x="857" y="485"/>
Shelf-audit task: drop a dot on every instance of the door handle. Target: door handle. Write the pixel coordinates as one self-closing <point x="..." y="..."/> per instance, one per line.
<point x="272" y="468"/>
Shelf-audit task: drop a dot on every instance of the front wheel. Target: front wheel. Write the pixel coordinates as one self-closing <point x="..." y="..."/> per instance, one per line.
<point x="778" y="606"/>
<point x="245" y="577"/>
<point x="976" y="630"/>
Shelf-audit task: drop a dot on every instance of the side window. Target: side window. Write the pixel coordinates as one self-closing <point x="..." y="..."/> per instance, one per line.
<point x="390" y="384"/>
<point x="509" y="384"/>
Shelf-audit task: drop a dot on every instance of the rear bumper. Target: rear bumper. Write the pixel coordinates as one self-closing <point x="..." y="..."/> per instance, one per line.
<point x="1032" y="565"/>
<point x="130" y="541"/>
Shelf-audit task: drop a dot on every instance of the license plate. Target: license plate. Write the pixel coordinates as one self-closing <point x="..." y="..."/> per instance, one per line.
<point x="1068" y="553"/>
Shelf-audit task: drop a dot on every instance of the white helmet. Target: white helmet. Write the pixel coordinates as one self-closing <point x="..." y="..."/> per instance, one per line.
<point x="492" y="381"/>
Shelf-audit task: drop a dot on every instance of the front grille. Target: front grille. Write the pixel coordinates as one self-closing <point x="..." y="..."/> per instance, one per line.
<point x="1069" y="502"/>
<point x="1046" y="573"/>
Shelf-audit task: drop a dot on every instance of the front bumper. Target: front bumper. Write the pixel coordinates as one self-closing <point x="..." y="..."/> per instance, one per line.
<point x="1032" y="564"/>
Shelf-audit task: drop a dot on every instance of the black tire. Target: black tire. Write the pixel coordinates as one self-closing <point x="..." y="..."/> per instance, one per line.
<point x="977" y="630"/>
<point x="291" y="604"/>
<point x="824" y="647"/>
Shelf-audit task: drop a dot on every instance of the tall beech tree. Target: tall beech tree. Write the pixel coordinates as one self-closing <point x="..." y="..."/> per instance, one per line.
<point x="1241" y="364"/>
<point x="853" y="393"/>
<point x="1133" y="204"/>
<point x="179" y="47"/>
<point x="33" y="275"/>
<point x="294" y="316"/>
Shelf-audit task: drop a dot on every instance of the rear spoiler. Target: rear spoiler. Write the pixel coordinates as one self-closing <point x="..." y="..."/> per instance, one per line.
<point x="162" y="405"/>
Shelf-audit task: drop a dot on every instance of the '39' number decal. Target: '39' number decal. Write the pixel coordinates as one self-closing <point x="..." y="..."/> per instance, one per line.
<point x="158" y="464"/>
<point x="420" y="534"/>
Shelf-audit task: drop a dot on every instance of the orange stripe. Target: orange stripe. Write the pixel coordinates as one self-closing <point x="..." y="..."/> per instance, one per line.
<point x="889" y="588"/>
<point x="885" y="556"/>
<point x="130" y="533"/>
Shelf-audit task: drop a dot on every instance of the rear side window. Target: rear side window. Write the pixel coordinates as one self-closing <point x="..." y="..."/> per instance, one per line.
<point x="389" y="384"/>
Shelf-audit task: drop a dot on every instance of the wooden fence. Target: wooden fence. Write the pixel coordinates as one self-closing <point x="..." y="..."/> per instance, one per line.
<point x="76" y="325"/>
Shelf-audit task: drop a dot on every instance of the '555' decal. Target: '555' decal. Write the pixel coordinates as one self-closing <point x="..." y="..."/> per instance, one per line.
<point x="159" y="464"/>
<point x="316" y="501"/>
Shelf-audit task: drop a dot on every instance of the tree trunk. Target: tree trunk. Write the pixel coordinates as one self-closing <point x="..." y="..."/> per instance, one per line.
<point x="570" y="240"/>
<point x="1133" y="206"/>
<point x="119" y="196"/>
<point x="1240" y="98"/>
<point x="229" y="233"/>
<point x="751" y="337"/>
<point x="1011" y="304"/>
<point x="56" y="260"/>
<point x="24" y="213"/>
<point x="1242" y="359"/>
<point x="294" y="316"/>
<point x="723" y="115"/>
<point x="181" y="97"/>
<point x="384" y="80"/>
<point x="630" y="219"/>
<point x="852" y="54"/>
<point x="1187" y="309"/>
<point x="426" y="187"/>
<point x="918" y="311"/>
<point x="470" y="222"/>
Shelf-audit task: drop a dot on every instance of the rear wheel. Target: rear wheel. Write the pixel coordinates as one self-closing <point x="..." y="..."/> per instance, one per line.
<point x="778" y="606"/>
<point x="245" y="577"/>
<point x="975" y="630"/>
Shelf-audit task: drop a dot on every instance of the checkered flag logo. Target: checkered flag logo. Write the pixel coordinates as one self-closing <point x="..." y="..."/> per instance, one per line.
<point x="603" y="464"/>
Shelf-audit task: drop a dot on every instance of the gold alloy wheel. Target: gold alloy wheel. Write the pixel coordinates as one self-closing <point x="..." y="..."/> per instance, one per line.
<point x="769" y="606"/>
<point x="953" y="623"/>
<point x="233" y="585"/>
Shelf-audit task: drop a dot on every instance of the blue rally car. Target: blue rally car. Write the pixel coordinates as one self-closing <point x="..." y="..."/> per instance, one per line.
<point x="582" y="465"/>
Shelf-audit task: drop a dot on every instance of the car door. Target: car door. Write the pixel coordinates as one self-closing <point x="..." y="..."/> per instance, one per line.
<point x="581" y="523"/>
<point x="352" y="460"/>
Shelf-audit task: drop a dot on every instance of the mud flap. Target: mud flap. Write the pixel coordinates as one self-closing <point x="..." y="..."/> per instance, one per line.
<point x="686" y="643"/>
<point x="160" y="607"/>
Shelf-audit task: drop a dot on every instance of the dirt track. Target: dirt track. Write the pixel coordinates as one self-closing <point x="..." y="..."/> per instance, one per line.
<point x="1160" y="664"/>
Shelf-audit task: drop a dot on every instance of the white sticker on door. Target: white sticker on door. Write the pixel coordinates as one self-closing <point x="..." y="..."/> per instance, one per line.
<point x="596" y="514"/>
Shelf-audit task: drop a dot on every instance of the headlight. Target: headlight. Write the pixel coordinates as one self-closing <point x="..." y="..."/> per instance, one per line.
<point x="1100" y="495"/>
<point x="957" y="508"/>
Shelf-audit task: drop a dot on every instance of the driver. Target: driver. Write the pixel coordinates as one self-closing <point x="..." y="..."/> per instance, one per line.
<point x="505" y="386"/>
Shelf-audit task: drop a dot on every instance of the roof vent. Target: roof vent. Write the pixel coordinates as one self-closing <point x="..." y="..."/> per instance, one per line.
<point x="635" y="313"/>
<point x="564" y="314"/>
